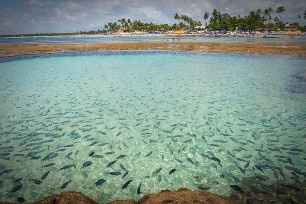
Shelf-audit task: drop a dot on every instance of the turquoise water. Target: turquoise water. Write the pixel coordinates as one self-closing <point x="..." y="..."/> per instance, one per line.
<point x="120" y="125"/>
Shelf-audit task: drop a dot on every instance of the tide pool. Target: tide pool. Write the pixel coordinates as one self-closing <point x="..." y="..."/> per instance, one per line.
<point x="121" y="125"/>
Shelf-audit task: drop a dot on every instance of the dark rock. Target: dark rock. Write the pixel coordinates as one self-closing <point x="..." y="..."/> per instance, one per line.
<point x="67" y="198"/>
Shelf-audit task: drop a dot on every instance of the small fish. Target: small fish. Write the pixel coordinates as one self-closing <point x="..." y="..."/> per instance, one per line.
<point x="18" y="180"/>
<point x="247" y="165"/>
<point x="148" y="154"/>
<point x="36" y="181"/>
<point x="111" y="163"/>
<point x="190" y="160"/>
<point x="20" y="200"/>
<point x="123" y="168"/>
<point x="125" y="185"/>
<point x="236" y="188"/>
<point x="93" y="143"/>
<point x="45" y="175"/>
<point x="86" y="164"/>
<point x="115" y="173"/>
<point x="156" y="171"/>
<point x="67" y="166"/>
<point x="68" y="155"/>
<point x="71" y="145"/>
<point x="109" y="152"/>
<point x="91" y="153"/>
<point x="261" y="167"/>
<point x="100" y="182"/>
<point x="6" y="171"/>
<point x="203" y="188"/>
<point x="121" y="156"/>
<point x="159" y="178"/>
<point x="217" y="160"/>
<point x="48" y="165"/>
<point x="103" y="133"/>
<point x="172" y="171"/>
<point x="138" y="189"/>
<point x="97" y="156"/>
<point x="65" y="184"/>
<point x="125" y="174"/>
<point x="16" y="188"/>
<point x="52" y="155"/>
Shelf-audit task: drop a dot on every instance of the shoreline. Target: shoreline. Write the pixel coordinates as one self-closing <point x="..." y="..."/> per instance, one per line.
<point x="291" y="49"/>
<point x="159" y="33"/>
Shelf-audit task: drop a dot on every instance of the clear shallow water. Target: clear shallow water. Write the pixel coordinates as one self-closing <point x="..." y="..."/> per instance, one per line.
<point x="145" y="38"/>
<point x="104" y="124"/>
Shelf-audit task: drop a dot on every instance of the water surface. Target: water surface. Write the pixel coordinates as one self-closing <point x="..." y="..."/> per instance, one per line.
<point x="148" y="38"/>
<point x="120" y="125"/>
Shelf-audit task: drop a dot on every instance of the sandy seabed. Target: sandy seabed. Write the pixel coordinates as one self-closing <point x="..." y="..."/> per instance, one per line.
<point x="290" y="194"/>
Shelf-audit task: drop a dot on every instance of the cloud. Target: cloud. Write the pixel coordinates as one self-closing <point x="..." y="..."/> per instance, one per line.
<point x="28" y="16"/>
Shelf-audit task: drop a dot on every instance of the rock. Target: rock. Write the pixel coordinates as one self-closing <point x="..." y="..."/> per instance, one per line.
<point x="67" y="198"/>
<point x="183" y="196"/>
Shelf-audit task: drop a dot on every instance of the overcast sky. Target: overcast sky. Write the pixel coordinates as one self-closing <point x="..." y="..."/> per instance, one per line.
<point x="31" y="16"/>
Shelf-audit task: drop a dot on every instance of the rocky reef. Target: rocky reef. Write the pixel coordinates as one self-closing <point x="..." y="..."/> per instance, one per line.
<point x="164" y="197"/>
<point x="250" y="194"/>
<point x="292" y="49"/>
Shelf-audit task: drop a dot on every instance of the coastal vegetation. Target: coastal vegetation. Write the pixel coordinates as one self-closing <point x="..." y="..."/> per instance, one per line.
<point x="268" y="19"/>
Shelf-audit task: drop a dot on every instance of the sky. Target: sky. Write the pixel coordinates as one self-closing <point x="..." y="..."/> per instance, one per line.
<point x="41" y="16"/>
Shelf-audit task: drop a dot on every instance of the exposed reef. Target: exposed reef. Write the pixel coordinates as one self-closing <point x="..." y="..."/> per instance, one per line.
<point x="251" y="191"/>
<point x="164" y="197"/>
<point x="293" y="49"/>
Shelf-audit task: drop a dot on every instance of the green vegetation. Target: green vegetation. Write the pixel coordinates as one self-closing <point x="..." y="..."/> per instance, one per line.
<point x="268" y="19"/>
<point x="186" y="22"/>
<point x="127" y="25"/>
<point x="206" y="16"/>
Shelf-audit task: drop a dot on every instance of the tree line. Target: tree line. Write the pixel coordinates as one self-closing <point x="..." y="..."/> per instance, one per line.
<point x="268" y="19"/>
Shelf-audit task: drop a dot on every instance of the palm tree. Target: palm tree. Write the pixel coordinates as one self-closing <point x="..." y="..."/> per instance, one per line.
<point x="270" y="11"/>
<point x="206" y="16"/>
<point x="259" y="12"/>
<point x="280" y="9"/>
<point x="123" y="23"/>
<point x="129" y="25"/>
<point x="266" y="13"/>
